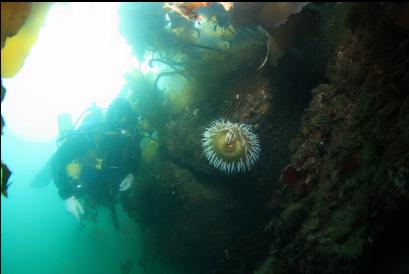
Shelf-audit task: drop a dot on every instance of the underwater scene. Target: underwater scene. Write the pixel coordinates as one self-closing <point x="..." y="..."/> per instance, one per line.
<point x="204" y="138"/>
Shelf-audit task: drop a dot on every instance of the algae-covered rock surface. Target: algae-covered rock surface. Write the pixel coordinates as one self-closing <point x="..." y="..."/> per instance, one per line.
<point x="326" y="94"/>
<point x="345" y="187"/>
<point x="191" y="212"/>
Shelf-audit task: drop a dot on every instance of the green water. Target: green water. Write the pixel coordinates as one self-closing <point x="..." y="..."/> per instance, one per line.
<point x="39" y="236"/>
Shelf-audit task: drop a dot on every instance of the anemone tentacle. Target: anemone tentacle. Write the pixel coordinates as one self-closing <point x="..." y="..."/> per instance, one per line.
<point x="230" y="147"/>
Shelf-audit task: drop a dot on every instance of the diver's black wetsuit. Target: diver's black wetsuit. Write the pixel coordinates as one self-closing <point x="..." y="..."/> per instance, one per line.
<point x="106" y="153"/>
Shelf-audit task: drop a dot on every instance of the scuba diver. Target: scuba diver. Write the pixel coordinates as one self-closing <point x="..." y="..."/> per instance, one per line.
<point x="98" y="160"/>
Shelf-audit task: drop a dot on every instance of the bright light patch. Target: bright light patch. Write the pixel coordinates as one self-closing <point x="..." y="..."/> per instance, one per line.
<point x="79" y="58"/>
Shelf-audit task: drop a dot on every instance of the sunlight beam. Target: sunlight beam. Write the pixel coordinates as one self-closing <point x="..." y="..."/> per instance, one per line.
<point x="79" y="58"/>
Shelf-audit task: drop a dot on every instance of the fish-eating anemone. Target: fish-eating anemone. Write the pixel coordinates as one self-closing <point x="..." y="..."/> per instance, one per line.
<point x="230" y="147"/>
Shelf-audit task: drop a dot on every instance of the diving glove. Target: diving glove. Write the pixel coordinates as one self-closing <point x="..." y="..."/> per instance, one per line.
<point x="127" y="182"/>
<point x="74" y="207"/>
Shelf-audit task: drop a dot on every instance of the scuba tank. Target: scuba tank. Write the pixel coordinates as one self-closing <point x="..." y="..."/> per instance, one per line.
<point x="65" y="129"/>
<point x="64" y="124"/>
<point x="44" y="175"/>
<point x="87" y="123"/>
<point x="91" y="117"/>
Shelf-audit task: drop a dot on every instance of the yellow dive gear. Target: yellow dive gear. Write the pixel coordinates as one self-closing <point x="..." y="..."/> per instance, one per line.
<point x="73" y="170"/>
<point x="64" y="123"/>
